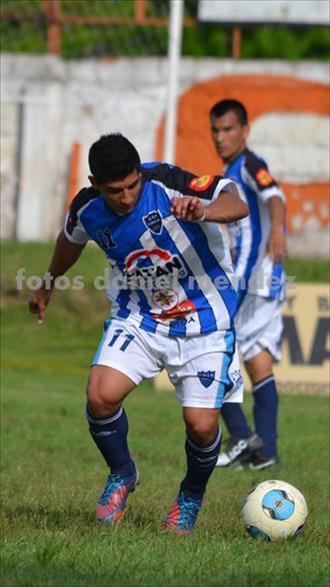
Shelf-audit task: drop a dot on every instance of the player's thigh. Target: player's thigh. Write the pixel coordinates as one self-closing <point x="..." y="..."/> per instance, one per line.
<point x="107" y="387"/>
<point x="259" y="327"/>
<point x="259" y="366"/>
<point x="123" y="359"/>
<point x="206" y="374"/>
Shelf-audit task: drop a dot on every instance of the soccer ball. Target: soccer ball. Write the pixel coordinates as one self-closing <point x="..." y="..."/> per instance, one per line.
<point x="274" y="510"/>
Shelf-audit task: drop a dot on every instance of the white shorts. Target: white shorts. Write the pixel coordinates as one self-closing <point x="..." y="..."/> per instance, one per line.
<point x="259" y="326"/>
<point x="203" y="369"/>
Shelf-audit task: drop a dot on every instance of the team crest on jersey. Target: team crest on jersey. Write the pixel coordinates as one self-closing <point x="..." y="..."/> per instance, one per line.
<point x="206" y="377"/>
<point x="264" y="178"/>
<point x="199" y="184"/>
<point x="153" y="221"/>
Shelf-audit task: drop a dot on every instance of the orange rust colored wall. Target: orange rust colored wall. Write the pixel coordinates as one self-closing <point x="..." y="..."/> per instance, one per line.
<point x="261" y="94"/>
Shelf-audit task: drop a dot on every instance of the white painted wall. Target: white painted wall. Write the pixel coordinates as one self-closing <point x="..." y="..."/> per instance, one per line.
<point x="68" y="101"/>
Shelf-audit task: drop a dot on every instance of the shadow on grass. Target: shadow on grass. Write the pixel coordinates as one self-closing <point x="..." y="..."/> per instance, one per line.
<point x="41" y="517"/>
<point x="54" y="573"/>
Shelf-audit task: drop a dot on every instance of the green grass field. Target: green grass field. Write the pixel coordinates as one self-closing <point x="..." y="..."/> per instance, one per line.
<point x="52" y="474"/>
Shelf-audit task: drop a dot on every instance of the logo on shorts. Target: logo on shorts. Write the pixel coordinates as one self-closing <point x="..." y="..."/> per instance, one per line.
<point x="206" y="377"/>
<point x="153" y="221"/>
<point x="236" y="379"/>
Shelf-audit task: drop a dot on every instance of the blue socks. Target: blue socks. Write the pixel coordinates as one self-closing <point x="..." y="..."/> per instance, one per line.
<point x="110" y="436"/>
<point x="235" y="420"/>
<point x="201" y="460"/>
<point x="265" y="414"/>
<point x="265" y="410"/>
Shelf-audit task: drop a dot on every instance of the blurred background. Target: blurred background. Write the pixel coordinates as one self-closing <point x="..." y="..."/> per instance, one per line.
<point x="75" y="69"/>
<point x="72" y="70"/>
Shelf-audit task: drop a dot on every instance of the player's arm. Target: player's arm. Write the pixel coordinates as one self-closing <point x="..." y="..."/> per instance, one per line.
<point x="64" y="257"/>
<point x="69" y="246"/>
<point x="258" y="176"/>
<point x="228" y="207"/>
<point x="209" y="197"/>
<point x="276" y="246"/>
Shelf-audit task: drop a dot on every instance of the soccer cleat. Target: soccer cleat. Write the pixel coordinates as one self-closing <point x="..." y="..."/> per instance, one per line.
<point x="238" y="450"/>
<point x="111" y="505"/>
<point x="258" y="462"/>
<point x="183" y="514"/>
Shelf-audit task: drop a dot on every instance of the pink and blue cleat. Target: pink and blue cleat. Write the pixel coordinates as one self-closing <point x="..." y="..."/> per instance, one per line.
<point x="111" y="505"/>
<point x="183" y="514"/>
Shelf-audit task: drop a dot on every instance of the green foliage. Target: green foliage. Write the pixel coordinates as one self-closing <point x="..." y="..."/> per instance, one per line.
<point x="206" y="41"/>
<point x="202" y="40"/>
<point x="284" y="42"/>
<point x="81" y="41"/>
<point x="22" y="37"/>
<point x="52" y="473"/>
<point x="308" y="270"/>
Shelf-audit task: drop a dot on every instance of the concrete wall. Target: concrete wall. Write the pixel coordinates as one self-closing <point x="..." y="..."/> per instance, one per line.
<point x="48" y="104"/>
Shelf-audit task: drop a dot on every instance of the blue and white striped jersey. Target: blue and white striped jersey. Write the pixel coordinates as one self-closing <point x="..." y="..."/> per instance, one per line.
<point x="167" y="275"/>
<point x="255" y="272"/>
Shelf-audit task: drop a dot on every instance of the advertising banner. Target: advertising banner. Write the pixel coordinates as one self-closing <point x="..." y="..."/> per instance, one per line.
<point x="272" y="11"/>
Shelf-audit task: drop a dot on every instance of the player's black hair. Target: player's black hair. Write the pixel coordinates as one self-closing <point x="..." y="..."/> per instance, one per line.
<point x="224" y="106"/>
<point x="112" y="158"/>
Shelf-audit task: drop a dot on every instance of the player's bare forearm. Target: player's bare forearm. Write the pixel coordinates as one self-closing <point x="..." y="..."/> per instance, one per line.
<point x="276" y="246"/>
<point x="277" y="211"/>
<point x="65" y="256"/>
<point x="226" y="209"/>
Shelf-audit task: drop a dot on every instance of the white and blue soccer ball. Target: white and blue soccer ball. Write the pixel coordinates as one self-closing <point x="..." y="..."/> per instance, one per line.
<point x="274" y="510"/>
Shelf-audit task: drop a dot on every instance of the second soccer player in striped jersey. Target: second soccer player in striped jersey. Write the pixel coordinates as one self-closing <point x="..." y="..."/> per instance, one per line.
<point x="258" y="246"/>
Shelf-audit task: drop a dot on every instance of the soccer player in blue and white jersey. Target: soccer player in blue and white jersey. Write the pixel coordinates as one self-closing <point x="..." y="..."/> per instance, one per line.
<point x="173" y="305"/>
<point x="258" y="245"/>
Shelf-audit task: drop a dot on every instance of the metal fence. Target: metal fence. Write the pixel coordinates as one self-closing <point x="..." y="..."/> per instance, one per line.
<point x="85" y="28"/>
<point x="111" y="28"/>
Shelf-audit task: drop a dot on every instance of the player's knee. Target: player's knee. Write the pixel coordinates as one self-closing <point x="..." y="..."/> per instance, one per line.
<point x="202" y="432"/>
<point x="99" y="400"/>
<point x="201" y="424"/>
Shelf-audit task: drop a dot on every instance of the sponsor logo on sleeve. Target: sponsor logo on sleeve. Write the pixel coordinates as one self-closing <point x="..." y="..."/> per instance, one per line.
<point x="264" y="178"/>
<point x="199" y="184"/>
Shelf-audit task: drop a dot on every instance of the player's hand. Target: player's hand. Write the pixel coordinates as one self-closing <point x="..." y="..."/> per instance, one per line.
<point x="38" y="303"/>
<point x="187" y="208"/>
<point x="276" y="246"/>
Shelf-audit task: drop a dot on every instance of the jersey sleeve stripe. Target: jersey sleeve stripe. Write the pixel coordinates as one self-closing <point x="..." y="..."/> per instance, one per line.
<point x="252" y="257"/>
